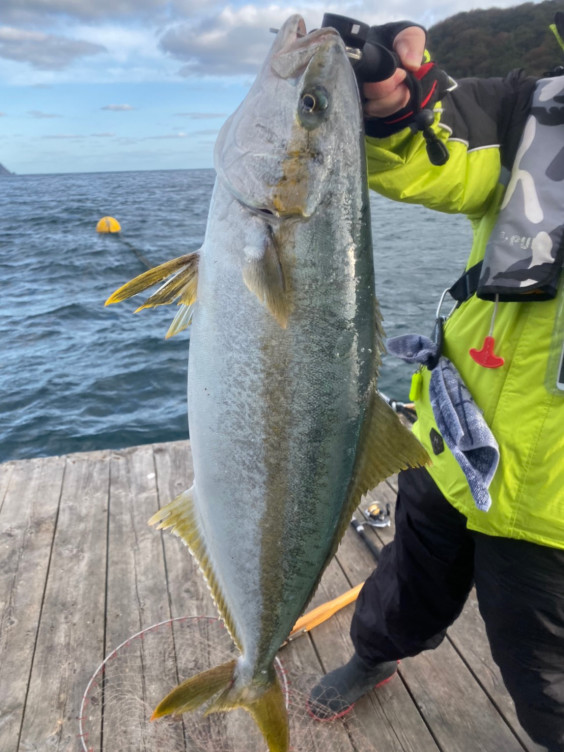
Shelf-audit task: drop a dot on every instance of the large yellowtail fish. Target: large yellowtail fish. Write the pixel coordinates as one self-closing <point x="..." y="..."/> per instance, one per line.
<point x="286" y="427"/>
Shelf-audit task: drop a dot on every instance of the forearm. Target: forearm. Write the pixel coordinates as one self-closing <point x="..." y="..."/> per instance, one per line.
<point x="480" y="122"/>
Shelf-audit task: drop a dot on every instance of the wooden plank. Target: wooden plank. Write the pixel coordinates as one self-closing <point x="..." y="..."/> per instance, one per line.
<point x="28" y="517"/>
<point x="189" y="594"/>
<point x="454" y="705"/>
<point x="71" y="631"/>
<point x="137" y="598"/>
<point x="6" y="469"/>
<point x="52" y="585"/>
<point x="136" y="591"/>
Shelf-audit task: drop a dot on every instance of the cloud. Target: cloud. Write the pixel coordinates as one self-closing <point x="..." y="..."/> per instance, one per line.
<point x="63" y="136"/>
<point x="234" y="42"/>
<point x="36" y="11"/>
<point x="201" y="115"/>
<point x="103" y="135"/>
<point x="118" y="107"/>
<point x="166" y="136"/>
<point x="41" y="115"/>
<point x="43" y="51"/>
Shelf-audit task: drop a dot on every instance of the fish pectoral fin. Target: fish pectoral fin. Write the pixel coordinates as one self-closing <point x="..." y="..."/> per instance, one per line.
<point x="182" y="285"/>
<point x="264" y="277"/>
<point x="197" y="690"/>
<point x="180" y="517"/>
<point x="267" y="707"/>
<point x="387" y="447"/>
<point x="181" y="321"/>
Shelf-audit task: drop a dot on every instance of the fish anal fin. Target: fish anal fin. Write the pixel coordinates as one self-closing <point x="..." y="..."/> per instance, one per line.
<point x="180" y="517"/>
<point x="264" y="277"/>
<point x="197" y="690"/>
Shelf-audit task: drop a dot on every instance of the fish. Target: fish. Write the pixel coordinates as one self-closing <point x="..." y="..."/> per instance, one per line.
<point x="286" y="425"/>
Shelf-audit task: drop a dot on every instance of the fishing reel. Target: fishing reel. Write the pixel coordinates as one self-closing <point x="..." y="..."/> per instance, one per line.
<point x="370" y="51"/>
<point x="378" y="516"/>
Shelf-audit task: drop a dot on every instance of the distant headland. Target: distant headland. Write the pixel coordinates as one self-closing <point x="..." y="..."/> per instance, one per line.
<point x="4" y="171"/>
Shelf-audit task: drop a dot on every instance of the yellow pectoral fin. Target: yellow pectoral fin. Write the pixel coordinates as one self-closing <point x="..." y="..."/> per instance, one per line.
<point x="181" y="321"/>
<point x="183" y="284"/>
<point x="263" y="276"/>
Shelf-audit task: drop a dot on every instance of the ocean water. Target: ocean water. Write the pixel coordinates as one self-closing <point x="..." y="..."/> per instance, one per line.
<point x="76" y="376"/>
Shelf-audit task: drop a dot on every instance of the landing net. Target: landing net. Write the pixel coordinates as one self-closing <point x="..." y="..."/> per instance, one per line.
<point x="126" y="687"/>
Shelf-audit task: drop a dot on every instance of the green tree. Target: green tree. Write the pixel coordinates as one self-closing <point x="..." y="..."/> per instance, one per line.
<point x="492" y="42"/>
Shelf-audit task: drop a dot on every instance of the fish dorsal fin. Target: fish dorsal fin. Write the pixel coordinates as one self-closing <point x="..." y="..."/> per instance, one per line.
<point x="263" y="275"/>
<point x="180" y="516"/>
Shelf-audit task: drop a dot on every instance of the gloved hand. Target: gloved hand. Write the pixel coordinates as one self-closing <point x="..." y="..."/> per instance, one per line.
<point x="392" y="104"/>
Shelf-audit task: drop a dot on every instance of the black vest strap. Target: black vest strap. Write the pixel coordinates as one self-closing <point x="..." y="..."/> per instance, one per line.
<point x="466" y="286"/>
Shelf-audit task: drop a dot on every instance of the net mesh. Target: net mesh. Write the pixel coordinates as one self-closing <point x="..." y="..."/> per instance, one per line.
<point x="126" y="687"/>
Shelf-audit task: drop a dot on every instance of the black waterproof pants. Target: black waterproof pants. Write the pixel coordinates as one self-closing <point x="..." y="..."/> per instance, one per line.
<point x="421" y="584"/>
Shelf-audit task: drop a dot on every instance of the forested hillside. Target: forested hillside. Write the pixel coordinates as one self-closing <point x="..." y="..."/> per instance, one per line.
<point x="492" y="42"/>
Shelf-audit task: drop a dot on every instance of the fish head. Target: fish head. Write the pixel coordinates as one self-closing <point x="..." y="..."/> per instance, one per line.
<point x="300" y="121"/>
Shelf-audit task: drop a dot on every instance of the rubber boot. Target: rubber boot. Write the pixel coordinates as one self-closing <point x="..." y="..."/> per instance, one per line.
<point x="337" y="692"/>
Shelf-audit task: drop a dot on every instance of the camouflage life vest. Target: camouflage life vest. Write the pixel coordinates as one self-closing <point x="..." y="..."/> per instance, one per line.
<point x="525" y="252"/>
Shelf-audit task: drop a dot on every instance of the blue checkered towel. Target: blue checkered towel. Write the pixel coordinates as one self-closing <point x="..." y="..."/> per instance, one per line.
<point x="458" y="418"/>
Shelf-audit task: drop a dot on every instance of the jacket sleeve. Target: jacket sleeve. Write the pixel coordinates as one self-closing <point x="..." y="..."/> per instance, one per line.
<point x="480" y="121"/>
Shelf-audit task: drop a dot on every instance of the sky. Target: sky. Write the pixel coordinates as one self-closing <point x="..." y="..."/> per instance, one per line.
<point x="104" y="85"/>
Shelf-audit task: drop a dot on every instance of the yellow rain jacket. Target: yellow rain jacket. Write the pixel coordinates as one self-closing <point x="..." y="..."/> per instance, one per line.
<point x="480" y="122"/>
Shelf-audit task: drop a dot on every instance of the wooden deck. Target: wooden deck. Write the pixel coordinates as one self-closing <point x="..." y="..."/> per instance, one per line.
<point x="81" y="571"/>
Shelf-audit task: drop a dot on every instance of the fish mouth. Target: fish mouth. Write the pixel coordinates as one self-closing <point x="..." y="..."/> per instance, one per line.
<point x="294" y="47"/>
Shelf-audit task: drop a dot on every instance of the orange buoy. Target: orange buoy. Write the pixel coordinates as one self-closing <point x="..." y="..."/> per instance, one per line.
<point x="108" y="224"/>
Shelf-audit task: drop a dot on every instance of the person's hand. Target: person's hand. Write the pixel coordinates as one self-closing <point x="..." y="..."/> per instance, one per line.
<point x="383" y="98"/>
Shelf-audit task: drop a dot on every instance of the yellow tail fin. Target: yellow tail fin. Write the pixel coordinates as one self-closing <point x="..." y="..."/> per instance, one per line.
<point x="264" y="702"/>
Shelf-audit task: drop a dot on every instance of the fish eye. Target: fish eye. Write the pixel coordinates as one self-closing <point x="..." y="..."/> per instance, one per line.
<point x="313" y="106"/>
<point x="316" y="100"/>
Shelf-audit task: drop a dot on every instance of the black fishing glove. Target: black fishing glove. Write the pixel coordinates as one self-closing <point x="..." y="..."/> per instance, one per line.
<point x="427" y="85"/>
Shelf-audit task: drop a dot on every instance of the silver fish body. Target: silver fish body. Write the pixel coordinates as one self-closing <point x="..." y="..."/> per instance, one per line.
<point x="276" y="412"/>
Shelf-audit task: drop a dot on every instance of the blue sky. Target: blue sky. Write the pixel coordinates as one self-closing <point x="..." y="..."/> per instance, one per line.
<point x="95" y="85"/>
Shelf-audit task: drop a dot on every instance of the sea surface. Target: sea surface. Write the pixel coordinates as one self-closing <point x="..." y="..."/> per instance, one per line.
<point x="76" y="376"/>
